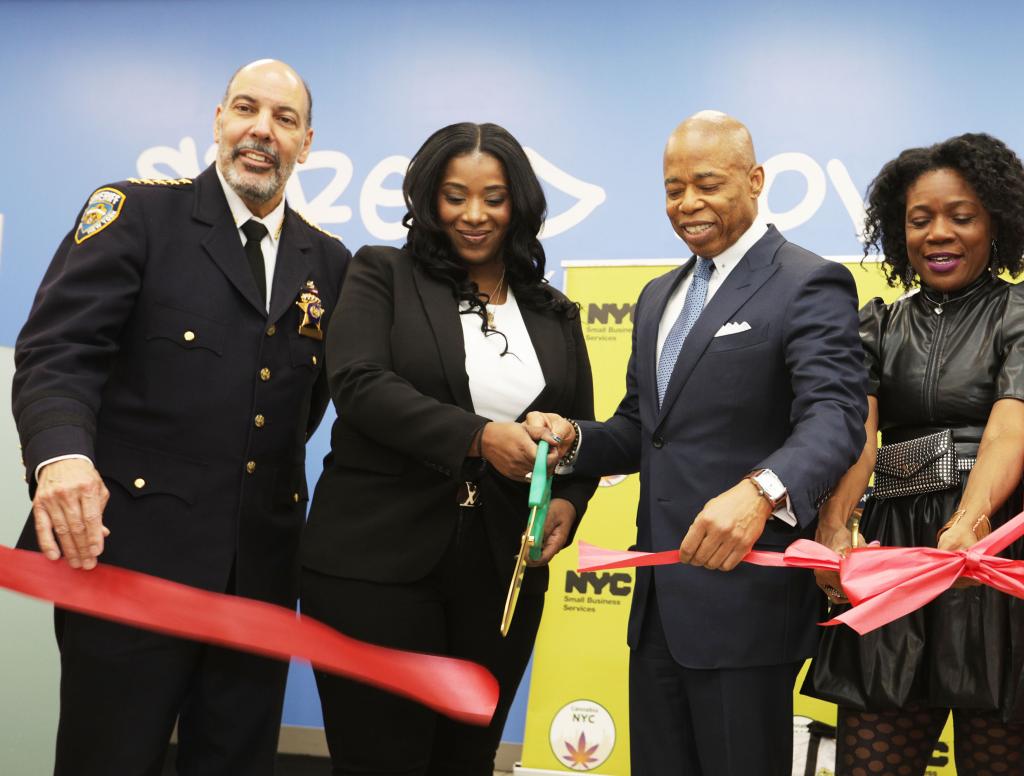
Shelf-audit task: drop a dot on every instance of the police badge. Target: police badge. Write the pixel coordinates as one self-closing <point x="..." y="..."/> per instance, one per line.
<point x="312" y="311"/>
<point x="102" y="209"/>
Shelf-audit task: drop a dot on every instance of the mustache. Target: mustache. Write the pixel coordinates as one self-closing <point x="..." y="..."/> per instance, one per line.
<point x="254" y="146"/>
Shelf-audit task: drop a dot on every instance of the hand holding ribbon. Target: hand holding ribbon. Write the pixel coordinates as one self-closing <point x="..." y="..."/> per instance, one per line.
<point x="882" y="583"/>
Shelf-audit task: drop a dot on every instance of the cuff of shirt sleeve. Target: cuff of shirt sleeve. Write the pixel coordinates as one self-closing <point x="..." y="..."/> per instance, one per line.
<point x="56" y="442"/>
<point x="785" y="513"/>
<point x="68" y="457"/>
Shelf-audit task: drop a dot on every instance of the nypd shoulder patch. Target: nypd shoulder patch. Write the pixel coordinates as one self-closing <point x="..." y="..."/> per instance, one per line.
<point x="102" y="209"/>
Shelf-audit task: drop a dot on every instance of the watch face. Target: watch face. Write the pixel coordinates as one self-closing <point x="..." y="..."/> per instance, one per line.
<point x="772" y="485"/>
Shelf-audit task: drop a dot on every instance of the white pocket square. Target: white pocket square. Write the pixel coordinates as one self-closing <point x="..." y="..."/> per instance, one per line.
<point x="733" y="327"/>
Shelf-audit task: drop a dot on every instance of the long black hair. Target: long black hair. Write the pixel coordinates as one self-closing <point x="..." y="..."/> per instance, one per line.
<point x="522" y="252"/>
<point x="992" y="169"/>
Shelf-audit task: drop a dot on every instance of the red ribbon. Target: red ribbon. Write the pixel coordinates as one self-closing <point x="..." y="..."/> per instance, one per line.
<point x="882" y="583"/>
<point x="457" y="688"/>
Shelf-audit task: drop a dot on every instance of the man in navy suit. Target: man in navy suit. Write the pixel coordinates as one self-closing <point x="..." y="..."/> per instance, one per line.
<point x="744" y="405"/>
<point x="167" y="378"/>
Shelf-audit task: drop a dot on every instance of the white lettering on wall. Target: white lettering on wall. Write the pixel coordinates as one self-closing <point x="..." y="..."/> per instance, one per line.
<point x="848" y="195"/>
<point x="374" y="195"/>
<point x="181" y="161"/>
<point x="324" y="207"/>
<point x="588" y="195"/>
<point x="815" y="190"/>
<point x="814" y="194"/>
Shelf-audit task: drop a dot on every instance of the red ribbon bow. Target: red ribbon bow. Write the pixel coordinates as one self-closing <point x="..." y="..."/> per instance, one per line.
<point x="882" y="583"/>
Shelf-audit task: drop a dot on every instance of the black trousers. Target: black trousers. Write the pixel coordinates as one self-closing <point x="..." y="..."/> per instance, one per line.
<point x="706" y="722"/>
<point x="122" y="689"/>
<point x="456" y="611"/>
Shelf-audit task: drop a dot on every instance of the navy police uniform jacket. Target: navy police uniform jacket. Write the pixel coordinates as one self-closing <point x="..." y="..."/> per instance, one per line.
<point x="149" y="350"/>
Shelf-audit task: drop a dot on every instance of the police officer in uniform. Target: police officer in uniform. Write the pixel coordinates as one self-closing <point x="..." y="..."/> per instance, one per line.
<point x="167" y="379"/>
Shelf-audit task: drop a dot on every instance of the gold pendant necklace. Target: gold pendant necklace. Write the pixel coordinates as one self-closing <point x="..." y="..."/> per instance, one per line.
<point x="493" y="295"/>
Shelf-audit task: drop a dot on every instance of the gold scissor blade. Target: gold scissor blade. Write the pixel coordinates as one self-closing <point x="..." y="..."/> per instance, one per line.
<point x="517" y="582"/>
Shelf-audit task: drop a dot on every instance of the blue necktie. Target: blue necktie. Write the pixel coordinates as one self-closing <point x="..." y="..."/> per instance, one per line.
<point x="692" y="306"/>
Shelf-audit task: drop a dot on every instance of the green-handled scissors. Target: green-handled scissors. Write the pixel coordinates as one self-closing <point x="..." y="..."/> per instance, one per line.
<point x="533" y="537"/>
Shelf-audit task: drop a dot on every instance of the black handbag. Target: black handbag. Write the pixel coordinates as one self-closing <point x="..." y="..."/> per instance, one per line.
<point x="919" y="465"/>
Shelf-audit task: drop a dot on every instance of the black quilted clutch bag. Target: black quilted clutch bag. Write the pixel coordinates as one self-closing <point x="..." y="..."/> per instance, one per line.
<point x="919" y="465"/>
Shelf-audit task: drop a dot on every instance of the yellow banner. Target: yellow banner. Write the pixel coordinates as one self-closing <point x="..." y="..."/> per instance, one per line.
<point x="577" y="718"/>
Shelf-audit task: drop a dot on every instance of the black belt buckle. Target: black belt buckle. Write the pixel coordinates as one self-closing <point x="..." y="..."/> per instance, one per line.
<point x="468" y="495"/>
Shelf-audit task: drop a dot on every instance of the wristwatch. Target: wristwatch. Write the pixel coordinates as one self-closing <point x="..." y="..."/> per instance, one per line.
<point x="769" y="486"/>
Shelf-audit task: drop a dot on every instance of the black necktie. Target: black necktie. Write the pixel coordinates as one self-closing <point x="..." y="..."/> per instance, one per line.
<point x="254" y="233"/>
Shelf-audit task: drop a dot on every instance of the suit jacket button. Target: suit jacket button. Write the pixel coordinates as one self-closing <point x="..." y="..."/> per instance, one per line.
<point x="271" y="330"/>
<point x="260" y="421"/>
<point x="264" y="374"/>
<point x="188" y="336"/>
<point x="250" y="467"/>
<point x="139" y="483"/>
<point x="658" y="442"/>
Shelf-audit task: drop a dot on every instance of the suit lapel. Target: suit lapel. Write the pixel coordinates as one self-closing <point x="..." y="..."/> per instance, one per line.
<point x="756" y="266"/>
<point x="443" y="313"/>
<point x="222" y="241"/>
<point x="546" y="334"/>
<point x="292" y="268"/>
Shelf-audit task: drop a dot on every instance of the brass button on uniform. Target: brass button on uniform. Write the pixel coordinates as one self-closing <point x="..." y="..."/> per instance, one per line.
<point x="264" y="374"/>
<point x="189" y="335"/>
<point x="271" y="330"/>
<point x="314" y="360"/>
<point x="139" y="483"/>
<point x="295" y="497"/>
<point x="250" y="467"/>
<point x="260" y="421"/>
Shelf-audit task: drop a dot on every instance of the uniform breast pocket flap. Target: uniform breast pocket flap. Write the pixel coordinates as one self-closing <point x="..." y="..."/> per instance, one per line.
<point x="306" y="352"/>
<point x="186" y="329"/>
<point x="143" y="472"/>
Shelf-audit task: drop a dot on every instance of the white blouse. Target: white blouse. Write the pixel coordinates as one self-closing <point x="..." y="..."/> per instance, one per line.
<point x="501" y="386"/>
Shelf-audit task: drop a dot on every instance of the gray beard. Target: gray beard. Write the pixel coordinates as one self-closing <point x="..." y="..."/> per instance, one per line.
<point x="254" y="189"/>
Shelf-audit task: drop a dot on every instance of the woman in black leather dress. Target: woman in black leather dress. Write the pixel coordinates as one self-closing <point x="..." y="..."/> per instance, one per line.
<point x="947" y="355"/>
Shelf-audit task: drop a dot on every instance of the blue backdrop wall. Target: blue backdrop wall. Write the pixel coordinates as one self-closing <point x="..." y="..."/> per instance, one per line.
<point x="98" y="91"/>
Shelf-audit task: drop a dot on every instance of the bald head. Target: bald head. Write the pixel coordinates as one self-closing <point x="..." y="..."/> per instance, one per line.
<point x="712" y="182"/>
<point x="713" y="125"/>
<point x="279" y="69"/>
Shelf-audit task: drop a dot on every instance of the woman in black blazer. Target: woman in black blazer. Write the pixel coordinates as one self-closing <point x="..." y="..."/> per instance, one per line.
<point x="435" y="354"/>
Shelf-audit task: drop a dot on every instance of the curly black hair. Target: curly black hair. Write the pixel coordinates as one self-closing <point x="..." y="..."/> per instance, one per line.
<point x="985" y="163"/>
<point x="522" y="252"/>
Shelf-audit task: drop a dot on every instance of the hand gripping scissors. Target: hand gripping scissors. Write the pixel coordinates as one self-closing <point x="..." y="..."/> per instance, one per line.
<point x="533" y="537"/>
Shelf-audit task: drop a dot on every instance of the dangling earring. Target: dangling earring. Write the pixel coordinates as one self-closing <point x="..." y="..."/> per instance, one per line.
<point x="993" y="252"/>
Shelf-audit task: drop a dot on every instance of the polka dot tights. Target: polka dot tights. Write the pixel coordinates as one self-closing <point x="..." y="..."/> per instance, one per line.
<point x="900" y="743"/>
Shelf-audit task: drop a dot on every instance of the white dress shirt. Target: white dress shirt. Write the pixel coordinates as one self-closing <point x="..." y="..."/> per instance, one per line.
<point x="724" y="263"/>
<point x="274" y="221"/>
<point x="501" y="386"/>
